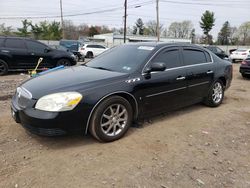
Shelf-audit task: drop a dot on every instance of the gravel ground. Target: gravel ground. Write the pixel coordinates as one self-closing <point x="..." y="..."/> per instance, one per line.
<point x="196" y="146"/>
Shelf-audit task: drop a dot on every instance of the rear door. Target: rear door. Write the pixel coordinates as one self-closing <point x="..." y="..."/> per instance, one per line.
<point x="200" y="72"/>
<point x="37" y="50"/>
<point x="16" y="49"/>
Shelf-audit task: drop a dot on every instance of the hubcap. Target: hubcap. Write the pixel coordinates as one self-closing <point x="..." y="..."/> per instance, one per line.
<point x="217" y="92"/>
<point x="114" y="119"/>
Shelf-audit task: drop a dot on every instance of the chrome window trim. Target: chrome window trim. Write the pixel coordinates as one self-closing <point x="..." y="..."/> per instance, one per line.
<point x="184" y="66"/>
<point x="100" y="100"/>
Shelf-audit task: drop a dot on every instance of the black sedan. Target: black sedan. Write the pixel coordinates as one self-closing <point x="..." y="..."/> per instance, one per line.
<point x="124" y="84"/>
<point x="245" y="67"/>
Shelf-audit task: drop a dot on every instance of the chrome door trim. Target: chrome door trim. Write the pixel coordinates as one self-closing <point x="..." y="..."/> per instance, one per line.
<point x="163" y="92"/>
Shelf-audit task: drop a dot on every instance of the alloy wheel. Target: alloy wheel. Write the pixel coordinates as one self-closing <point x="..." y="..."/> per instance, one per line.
<point x="114" y="119"/>
<point x="217" y="92"/>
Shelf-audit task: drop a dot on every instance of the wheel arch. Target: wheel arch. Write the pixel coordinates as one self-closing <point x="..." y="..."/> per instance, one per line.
<point x="128" y="96"/>
<point x="223" y="80"/>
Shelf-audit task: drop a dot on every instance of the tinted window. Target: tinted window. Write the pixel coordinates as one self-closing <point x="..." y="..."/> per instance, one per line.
<point x="1" y="41"/>
<point x="35" y="46"/>
<point x="14" y="43"/>
<point x="208" y="57"/>
<point x="170" y="57"/>
<point x="193" y="56"/>
<point x="125" y="58"/>
<point x="91" y="46"/>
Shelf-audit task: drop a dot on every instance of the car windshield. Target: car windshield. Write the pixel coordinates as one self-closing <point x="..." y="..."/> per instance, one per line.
<point x="124" y="58"/>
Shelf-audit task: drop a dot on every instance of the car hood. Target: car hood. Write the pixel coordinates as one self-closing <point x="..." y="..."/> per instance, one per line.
<point x="77" y="78"/>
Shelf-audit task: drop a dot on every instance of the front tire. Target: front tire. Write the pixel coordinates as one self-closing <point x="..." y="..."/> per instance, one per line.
<point x="3" y="67"/>
<point x="111" y="119"/>
<point x="215" y="94"/>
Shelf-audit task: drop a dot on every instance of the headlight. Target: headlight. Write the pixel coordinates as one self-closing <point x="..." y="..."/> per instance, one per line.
<point x="59" y="102"/>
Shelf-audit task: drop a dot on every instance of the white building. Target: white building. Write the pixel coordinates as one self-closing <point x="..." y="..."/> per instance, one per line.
<point x="111" y="39"/>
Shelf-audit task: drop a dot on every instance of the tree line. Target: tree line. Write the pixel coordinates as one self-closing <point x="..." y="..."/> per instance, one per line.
<point x="52" y="30"/>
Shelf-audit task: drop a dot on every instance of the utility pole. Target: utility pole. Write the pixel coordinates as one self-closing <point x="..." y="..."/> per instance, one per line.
<point x="62" y="24"/>
<point x="125" y="21"/>
<point x="157" y="21"/>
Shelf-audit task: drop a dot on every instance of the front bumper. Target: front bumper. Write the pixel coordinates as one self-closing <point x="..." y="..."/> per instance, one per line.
<point x="49" y="123"/>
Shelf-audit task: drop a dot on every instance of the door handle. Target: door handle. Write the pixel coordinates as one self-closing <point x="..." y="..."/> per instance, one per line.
<point x="181" y="78"/>
<point x="210" y="72"/>
<point x="32" y="53"/>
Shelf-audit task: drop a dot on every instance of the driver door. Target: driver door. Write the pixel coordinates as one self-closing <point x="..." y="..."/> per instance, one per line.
<point x="164" y="90"/>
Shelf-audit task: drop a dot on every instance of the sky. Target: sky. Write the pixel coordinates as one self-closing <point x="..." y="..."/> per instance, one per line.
<point x="111" y="12"/>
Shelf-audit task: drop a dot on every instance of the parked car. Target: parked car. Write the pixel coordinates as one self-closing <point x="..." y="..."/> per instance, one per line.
<point x="23" y="53"/>
<point x="68" y="43"/>
<point x="239" y="54"/>
<point x="122" y="85"/>
<point x="70" y="49"/>
<point x="92" y="50"/>
<point x="245" y="67"/>
<point x="219" y="52"/>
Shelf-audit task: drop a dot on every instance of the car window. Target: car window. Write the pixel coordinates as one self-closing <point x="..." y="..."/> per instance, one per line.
<point x="14" y="43"/>
<point x="219" y="50"/>
<point x="91" y="46"/>
<point x="194" y="56"/>
<point x="1" y="41"/>
<point x="170" y="57"/>
<point x="99" y="46"/>
<point x="35" y="46"/>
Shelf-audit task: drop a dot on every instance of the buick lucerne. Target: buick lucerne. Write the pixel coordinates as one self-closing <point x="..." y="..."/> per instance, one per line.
<point x="122" y="85"/>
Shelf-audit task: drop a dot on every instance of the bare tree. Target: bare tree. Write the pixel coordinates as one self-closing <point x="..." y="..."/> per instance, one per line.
<point x="180" y="29"/>
<point x="151" y="28"/>
<point x="244" y="33"/>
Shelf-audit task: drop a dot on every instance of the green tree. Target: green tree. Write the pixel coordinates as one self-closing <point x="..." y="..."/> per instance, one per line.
<point x="224" y="34"/>
<point x="23" y="31"/>
<point x="36" y="31"/>
<point x="139" y="26"/>
<point x="206" y="24"/>
<point x="55" y="31"/>
<point x="5" y="30"/>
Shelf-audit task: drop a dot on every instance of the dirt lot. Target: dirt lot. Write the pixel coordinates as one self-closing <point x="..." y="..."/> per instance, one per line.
<point x="194" y="147"/>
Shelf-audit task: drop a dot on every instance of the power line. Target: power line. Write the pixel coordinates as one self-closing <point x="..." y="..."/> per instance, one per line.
<point x="79" y="14"/>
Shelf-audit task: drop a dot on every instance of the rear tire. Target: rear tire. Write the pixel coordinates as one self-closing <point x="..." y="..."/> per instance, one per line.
<point x="89" y="55"/>
<point x="3" y="67"/>
<point x="111" y="119"/>
<point x="215" y="95"/>
<point x="245" y="75"/>
<point x="64" y="62"/>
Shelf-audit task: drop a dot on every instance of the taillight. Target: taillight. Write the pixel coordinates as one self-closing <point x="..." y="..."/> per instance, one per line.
<point x="244" y="63"/>
<point x="82" y="48"/>
<point x="244" y="54"/>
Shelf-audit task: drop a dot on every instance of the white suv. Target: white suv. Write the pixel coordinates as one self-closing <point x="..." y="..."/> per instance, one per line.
<point x="92" y="50"/>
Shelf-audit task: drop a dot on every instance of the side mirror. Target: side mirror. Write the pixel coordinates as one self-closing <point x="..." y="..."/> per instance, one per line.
<point x="155" y="67"/>
<point x="46" y="50"/>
